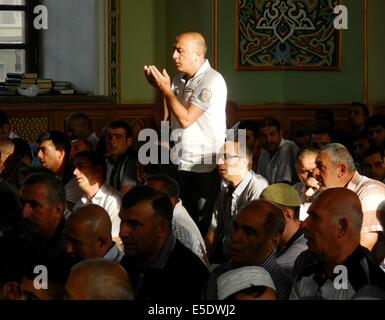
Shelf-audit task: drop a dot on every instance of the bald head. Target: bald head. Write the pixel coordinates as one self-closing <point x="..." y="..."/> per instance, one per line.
<point x="342" y="203"/>
<point x="88" y="233"/>
<point x="94" y="217"/>
<point x="196" y="39"/>
<point x="333" y="227"/>
<point x="98" y="279"/>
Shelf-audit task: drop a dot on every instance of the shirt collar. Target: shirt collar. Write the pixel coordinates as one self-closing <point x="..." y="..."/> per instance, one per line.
<point x="205" y="66"/>
<point x="113" y="254"/>
<point x="354" y="181"/>
<point x="162" y="258"/>
<point x="242" y="186"/>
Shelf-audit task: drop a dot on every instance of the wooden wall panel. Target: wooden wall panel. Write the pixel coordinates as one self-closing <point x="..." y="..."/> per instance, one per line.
<point x="141" y="116"/>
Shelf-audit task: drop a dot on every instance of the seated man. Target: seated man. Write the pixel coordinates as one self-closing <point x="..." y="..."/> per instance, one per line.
<point x="292" y="242"/>
<point x="336" y="266"/>
<point x="79" y="126"/>
<point x="160" y="267"/>
<point x="320" y="137"/>
<point x="373" y="163"/>
<point x="6" y="127"/>
<point x="240" y="185"/>
<point x="98" y="279"/>
<point x="336" y="168"/>
<point x="183" y="226"/>
<point x="88" y="235"/>
<point x="90" y="172"/>
<point x="256" y="233"/>
<point x="278" y="155"/>
<point x="375" y="128"/>
<point x="246" y="283"/>
<point x="43" y="198"/>
<point x="53" y="154"/>
<point x="121" y="160"/>
<point x="308" y="185"/>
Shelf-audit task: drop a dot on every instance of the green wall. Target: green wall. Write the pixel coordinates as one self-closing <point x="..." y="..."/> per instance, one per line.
<point x="143" y="30"/>
<point x="376" y="50"/>
<point x="150" y="26"/>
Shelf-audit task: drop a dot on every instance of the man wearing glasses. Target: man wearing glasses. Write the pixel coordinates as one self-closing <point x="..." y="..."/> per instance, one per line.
<point x="240" y="185"/>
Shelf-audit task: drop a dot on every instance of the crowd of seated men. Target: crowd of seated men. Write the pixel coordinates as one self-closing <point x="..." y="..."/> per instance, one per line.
<point x="298" y="217"/>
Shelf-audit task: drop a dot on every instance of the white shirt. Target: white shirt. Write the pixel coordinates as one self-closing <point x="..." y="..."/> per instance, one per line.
<point x="200" y="142"/>
<point x="109" y="199"/>
<point x="187" y="232"/>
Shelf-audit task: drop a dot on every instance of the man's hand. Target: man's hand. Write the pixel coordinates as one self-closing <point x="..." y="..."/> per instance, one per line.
<point x="159" y="80"/>
<point x="149" y="76"/>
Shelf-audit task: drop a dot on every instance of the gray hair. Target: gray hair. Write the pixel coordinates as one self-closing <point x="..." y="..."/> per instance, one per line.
<point x="104" y="280"/>
<point x="339" y="154"/>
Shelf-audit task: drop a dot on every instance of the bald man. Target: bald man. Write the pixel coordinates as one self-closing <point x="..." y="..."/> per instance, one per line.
<point x="98" y="279"/>
<point x="196" y="101"/>
<point x="336" y="168"/>
<point x="88" y="235"/>
<point x="336" y="266"/>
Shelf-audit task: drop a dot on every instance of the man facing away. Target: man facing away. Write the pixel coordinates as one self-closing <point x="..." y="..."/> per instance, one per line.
<point x="196" y="102"/>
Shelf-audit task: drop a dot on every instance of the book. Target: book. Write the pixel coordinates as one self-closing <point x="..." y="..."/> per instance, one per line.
<point x="14" y="75"/>
<point x="28" y="81"/>
<point x="45" y="85"/>
<point x="67" y="91"/>
<point x="30" y="75"/>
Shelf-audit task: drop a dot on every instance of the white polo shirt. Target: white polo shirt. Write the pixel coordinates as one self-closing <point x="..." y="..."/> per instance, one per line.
<point x="198" y="144"/>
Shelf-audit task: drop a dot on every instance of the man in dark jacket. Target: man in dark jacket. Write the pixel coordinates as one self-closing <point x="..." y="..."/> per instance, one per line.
<point x="160" y="267"/>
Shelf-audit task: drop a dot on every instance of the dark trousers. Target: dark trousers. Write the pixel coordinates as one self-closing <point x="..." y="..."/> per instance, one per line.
<point x="199" y="192"/>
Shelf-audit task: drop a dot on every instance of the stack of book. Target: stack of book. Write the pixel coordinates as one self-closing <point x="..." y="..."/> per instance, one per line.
<point x="63" y="87"/>
<point x="28" y="79"/>
<point x="45" y="86"/>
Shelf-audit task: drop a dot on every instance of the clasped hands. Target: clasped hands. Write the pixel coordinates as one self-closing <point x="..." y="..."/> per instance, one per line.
<point x="159" y="80"/>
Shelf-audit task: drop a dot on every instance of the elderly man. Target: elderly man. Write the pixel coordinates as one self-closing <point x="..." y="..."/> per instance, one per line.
<point x="336" y="168"/>
<point x="88" y="235"/>
<point x="292" y="242"/>
<point x="160" y="267"/>
<point x="98" y="279"/>
<point x="308" y="185"/>
<point x="239" y="186"/>
<point x="257" y="230"/>
<point x="196" y="102"/>
<point x="336" y="266"/>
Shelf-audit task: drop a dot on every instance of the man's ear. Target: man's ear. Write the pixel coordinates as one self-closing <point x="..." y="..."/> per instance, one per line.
<point x="163" y="228"/>
<point x="275" y="240"/>
<point x="343" y="170"/>
<point x="343" y="226"/>
<point x="287" y="214"/>
<point x="61" y="153"/>
<point x="11" y="291"/>
<point x="59" y="208"/>
<point x="129" y="141"/>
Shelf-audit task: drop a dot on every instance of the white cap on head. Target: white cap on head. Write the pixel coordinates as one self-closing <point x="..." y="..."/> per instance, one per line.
<point x="239" y="279"/>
